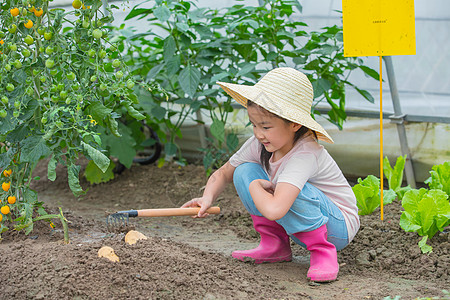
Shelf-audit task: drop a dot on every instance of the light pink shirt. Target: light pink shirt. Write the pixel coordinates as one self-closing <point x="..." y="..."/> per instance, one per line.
<point x="307" y="161"/>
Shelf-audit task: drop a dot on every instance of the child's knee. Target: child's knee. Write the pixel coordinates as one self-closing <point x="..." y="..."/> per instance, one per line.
<point x="246" y="171"/>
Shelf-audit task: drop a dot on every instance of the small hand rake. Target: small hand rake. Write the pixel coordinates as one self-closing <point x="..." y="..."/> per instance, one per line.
<point x="121" y="218"/>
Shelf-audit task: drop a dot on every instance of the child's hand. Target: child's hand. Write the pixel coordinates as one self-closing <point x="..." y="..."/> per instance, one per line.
<point x="203" y="202"/>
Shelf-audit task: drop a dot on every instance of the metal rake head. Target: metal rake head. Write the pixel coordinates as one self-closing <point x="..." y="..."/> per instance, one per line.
<point x="118" y="219"/>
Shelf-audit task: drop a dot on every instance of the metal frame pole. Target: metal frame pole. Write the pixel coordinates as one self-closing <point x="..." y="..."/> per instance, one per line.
<point x="398" y="118"/>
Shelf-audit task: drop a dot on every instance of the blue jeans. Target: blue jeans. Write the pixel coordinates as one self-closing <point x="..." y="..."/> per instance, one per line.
<point x="310" y="210"/>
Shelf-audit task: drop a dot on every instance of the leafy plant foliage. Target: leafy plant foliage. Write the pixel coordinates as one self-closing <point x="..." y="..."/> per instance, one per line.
<point x="188" y="49"/>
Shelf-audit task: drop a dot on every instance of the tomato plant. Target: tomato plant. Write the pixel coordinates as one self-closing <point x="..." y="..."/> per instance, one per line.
<point x="59" y="91"/>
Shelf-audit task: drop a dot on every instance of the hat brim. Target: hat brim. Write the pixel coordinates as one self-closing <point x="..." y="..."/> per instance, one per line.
<point x="243" y="93"/>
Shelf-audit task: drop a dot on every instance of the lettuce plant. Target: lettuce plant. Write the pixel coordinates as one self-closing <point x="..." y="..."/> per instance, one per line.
<point x="425" y="212"/>
<point x="395" y="175"/>
<point x="367" y="194"/>
<point x="440" y="177"/>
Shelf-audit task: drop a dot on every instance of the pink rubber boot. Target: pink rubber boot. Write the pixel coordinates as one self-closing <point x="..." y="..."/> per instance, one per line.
<point x="273" y="247"/>
<point x="323" y="256"/>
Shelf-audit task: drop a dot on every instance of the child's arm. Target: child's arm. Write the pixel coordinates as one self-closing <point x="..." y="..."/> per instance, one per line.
<point x="273" y="204"/>
<point x="215" y="185"/>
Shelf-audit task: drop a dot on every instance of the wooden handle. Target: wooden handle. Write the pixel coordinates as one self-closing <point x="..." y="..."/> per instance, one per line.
<point x="169" y="212"/>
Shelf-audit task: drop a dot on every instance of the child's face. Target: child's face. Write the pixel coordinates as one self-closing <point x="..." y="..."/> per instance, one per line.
<point x="274" y="133"/>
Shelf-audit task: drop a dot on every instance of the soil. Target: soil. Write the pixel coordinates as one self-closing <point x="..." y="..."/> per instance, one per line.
<point x="186" y="258"/>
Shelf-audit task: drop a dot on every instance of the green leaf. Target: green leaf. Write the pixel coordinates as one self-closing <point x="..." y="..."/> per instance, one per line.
<point x="232" y="142"/>
<point x="170" y="149"/>
<point x="100" y="159"/>
<point x="218" y="130"/>
<point x="394" y="175"/>
<point x="367" y="194"/>
<point x="189" y="79"/>
<point x="51" y="168"/>
<point x="423" y="245"/>
<point x="98" y="111"/>
<point x="440" y="177"/>
<point x="122" y="148"/>
<point x="158" y="112"/>
<point x="162" y="13"/>
<point x="173" y="65"/>
<point x="169" y="48"/>
<point x="34" y="148"/>
<point x="389" y="196"/>
<point x="246" y="68"/>
<point x="370" y="72"/>
<point x="320" y="86"/>
<point x="365" y="94"/>
<point x="138" y="11"/>
<point x="94" y="175"/>
<point x="73" y="173"/>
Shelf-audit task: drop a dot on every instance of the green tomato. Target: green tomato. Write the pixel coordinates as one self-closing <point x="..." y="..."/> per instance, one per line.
<point x="13" y="28"/>
<point x="61" y="86"/>
<point x="71" y="76"/>
<point x="17" y="64"/>
<point x="97" y="33"/>
<point x="13" y="47"/>
<point x="29" y="91"/>
<point x="28" y="39"/>
<point x="5" y="100"/>
<point x="17" y="104"/>
<point x="48" y="35"/>
<point x="55" y="99"/>
<point x="49" y="50"/>
<point x="75" y="86"/>
<point x="49" y="63"/>
<point x="102" y="53"/>
<point x="44" y="120"/>
<point x="8" y="67"/>
<point x="3" y="113"/>
<point x="43" y="78"/>
<point x="103" y="87"/>
<point x="10" y="87"/>
<point x="26" y="53"/>
<point x="93" y="78"/>
<point x="41" y="30"/>
<point x="35" y="72"/>
<point x="63" y="94"/>
<point x="53" y="72"/>
<point x="119" y="74"/>
<point x="2" y="34"/>
<point x="116" y="63"/>
<point x="130" y="84"/>
<point x="16" y="114"/>
<point x="68" y="100"/>
<point x="85" y="24"/>
<point x="91" y="53"/>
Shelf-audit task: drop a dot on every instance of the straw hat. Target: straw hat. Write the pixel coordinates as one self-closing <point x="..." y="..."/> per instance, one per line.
<point x="285" y="92"/>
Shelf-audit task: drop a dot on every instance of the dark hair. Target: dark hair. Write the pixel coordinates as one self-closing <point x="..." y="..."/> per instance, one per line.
<point x="265" y="155"/>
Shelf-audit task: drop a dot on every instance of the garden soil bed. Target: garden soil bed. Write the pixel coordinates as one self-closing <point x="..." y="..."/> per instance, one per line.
<point x="185" y="258"/>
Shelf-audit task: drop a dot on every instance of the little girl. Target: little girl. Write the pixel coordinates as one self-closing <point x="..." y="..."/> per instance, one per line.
<point x="286" y="180"/>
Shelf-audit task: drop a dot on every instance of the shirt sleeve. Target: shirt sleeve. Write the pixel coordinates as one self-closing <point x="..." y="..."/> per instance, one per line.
<point x="249" y="152"/>
<point x="299" y="169"/>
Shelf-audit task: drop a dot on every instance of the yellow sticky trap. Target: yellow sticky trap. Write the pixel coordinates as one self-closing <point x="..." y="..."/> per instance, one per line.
<point x="378" y="27"/>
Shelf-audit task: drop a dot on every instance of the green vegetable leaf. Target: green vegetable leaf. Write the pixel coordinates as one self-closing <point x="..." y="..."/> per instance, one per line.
<point x="367" y="194"/>
<point x="218" y="130"/>
<point x="34" y="148"/>
<point x="51" y="169"/>
<point x="94" y="175"/>
<point x="440" y="177"/>
<point x="100" y="159"/>
<point x="394" y="175"/>
<point x="426" y="211"/>
<point x="73" y="172"/>
<point x="189" y="79"/>
<point x="424" y="247"/>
